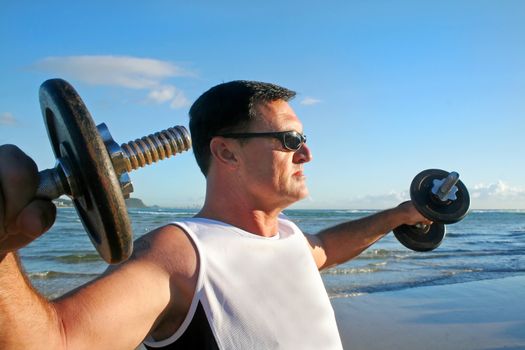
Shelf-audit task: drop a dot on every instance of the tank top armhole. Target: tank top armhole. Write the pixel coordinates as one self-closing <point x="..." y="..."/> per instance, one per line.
<point x="149" y="341"/>
<point x="296" y="231"/>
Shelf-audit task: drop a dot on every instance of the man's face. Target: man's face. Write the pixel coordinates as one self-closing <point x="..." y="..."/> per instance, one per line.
<point x="273" y="174"/>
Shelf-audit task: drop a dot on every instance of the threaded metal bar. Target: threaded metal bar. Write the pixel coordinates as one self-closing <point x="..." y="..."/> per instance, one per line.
<point x="447" y="186"/>
<point x="155" y="147"/>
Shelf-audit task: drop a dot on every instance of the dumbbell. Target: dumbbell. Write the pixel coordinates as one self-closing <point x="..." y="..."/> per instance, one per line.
<point x="92" y="169"/>
<point x="440" y="197"/>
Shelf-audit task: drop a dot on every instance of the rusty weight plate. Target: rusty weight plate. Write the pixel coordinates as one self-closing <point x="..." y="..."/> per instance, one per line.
<point x="430" y="206"/>
<point x="99" y="201"/>
<point x="421" y="239"/>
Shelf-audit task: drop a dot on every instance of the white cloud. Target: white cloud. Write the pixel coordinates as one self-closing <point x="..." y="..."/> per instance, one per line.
<point x="498" y="195"/>
<point x="7" y="118"/>
<point x="162" y="94"/>
<point x="499" y="190"/>
<point x="309" y="101"/>
<point x="169" y="93"/>
<point x="122" y="71"/>
<point x="179" y="101"/>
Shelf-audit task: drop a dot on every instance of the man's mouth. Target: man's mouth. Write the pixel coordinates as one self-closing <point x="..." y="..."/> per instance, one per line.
<point x="298" y="173"/>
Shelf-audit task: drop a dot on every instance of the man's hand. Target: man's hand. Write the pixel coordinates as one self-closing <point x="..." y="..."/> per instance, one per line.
<point x="23" y="218"/>
<point x="410" y="215"/>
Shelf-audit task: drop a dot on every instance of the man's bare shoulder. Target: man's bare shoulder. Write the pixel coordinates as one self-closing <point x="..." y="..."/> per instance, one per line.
<point x="170" y="247"/>
<point x="150" y="293"/>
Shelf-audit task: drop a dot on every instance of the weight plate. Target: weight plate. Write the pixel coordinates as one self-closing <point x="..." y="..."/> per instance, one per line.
<point x="420" y="239"/>
<point x="99" y="203"/>
<point x="430" y="206"/>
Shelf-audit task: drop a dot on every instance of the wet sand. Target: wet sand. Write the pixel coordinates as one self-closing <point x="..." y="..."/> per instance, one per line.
<point x="477" y="315"/>
<point x="481" y="315"/>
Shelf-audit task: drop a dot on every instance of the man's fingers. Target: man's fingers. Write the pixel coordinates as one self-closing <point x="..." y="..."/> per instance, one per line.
<point x="18" y="181"/>
<point x="36" y="218"/>
<point x="22" y="217"/>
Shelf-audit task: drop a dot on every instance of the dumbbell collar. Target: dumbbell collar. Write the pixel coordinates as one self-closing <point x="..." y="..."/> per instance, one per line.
<point x="57" y="181"/>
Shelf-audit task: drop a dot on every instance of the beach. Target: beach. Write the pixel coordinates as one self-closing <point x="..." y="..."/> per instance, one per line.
<point x="488" y="314"/>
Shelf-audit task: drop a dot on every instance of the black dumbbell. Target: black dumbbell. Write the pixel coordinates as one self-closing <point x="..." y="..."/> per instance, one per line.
<point x="93" y="169"/>
<point x="440" y="197"/>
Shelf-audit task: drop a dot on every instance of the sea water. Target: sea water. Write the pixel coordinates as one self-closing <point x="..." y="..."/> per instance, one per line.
<point x="485" y="245"/>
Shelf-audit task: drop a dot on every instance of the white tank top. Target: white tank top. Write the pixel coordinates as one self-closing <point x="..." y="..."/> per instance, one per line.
<point x="257" y="292"/>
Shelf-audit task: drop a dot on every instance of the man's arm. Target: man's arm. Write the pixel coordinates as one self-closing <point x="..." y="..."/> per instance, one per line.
<point x="17" y="294"/>
<point x="345" y="241"/>
<point x="117" y="310"/>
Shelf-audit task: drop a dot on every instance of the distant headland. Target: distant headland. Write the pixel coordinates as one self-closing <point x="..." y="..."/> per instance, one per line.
<point x="130" y="203"/>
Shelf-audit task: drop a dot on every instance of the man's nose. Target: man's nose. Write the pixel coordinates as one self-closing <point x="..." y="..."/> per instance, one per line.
<point x="302" y="155"/>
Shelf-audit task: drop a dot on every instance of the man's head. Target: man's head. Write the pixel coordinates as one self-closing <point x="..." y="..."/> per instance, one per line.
<point x="226" y="108"/>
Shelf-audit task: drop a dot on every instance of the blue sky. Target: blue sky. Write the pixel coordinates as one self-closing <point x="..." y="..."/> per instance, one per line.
<point x="385" y="88"/>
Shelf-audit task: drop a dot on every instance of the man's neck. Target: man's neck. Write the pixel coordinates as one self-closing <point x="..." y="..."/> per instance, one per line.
<point x="227" y="200"/>
<point x="256" y="221"/>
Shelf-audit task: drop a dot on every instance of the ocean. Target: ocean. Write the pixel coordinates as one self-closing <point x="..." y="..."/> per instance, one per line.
<point x="485" y="245"/>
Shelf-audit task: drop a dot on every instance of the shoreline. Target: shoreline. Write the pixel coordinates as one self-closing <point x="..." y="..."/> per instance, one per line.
<point x="486" y="314"/>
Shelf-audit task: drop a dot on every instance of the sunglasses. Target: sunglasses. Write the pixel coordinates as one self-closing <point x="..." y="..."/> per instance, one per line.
<point x="291" y="140"/>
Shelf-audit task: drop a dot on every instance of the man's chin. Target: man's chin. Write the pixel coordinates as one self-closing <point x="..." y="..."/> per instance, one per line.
<point x="294" y="197"/>
<point x="302" y="194"/>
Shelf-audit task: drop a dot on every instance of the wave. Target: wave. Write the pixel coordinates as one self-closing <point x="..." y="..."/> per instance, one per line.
<point x="66" y="257"/>
<point x="78" y="258"/>
<point x="447" y="278"/>
<point x="517" y="233"/>
<point x="163" y="212"/>
<point x="462" y="235"/>
<point x="378" y="253"/>
<point x="338" y="294"/>
<point x="458" y="253"/>
<point x="388" y="286"/>
<point x="491" y="211"/>
<point x="45" y="275"/>
<point x="329" y="215"/>
<point x="352" y="271"/>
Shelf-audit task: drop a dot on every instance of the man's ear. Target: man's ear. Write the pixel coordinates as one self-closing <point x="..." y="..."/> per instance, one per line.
<point x="224" y="151"/>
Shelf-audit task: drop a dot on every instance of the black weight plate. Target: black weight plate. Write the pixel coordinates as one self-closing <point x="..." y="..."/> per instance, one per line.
<point x="100" y="203"/>
<point x="430" y="206"/>
<point x="420" y="240"/>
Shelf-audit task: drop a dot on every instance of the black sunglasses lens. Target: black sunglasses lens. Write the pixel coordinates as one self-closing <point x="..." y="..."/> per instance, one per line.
<point x="293" y="141"/>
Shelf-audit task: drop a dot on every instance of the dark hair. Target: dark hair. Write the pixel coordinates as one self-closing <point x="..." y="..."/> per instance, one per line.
<point x="228" y="107"/>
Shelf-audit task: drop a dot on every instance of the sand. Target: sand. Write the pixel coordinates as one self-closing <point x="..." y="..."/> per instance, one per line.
<point x="479" y="315"/>
<point x="487" y="314"/>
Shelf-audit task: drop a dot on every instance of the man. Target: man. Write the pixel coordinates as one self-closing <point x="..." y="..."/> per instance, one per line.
<point x="237" y="276"/>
